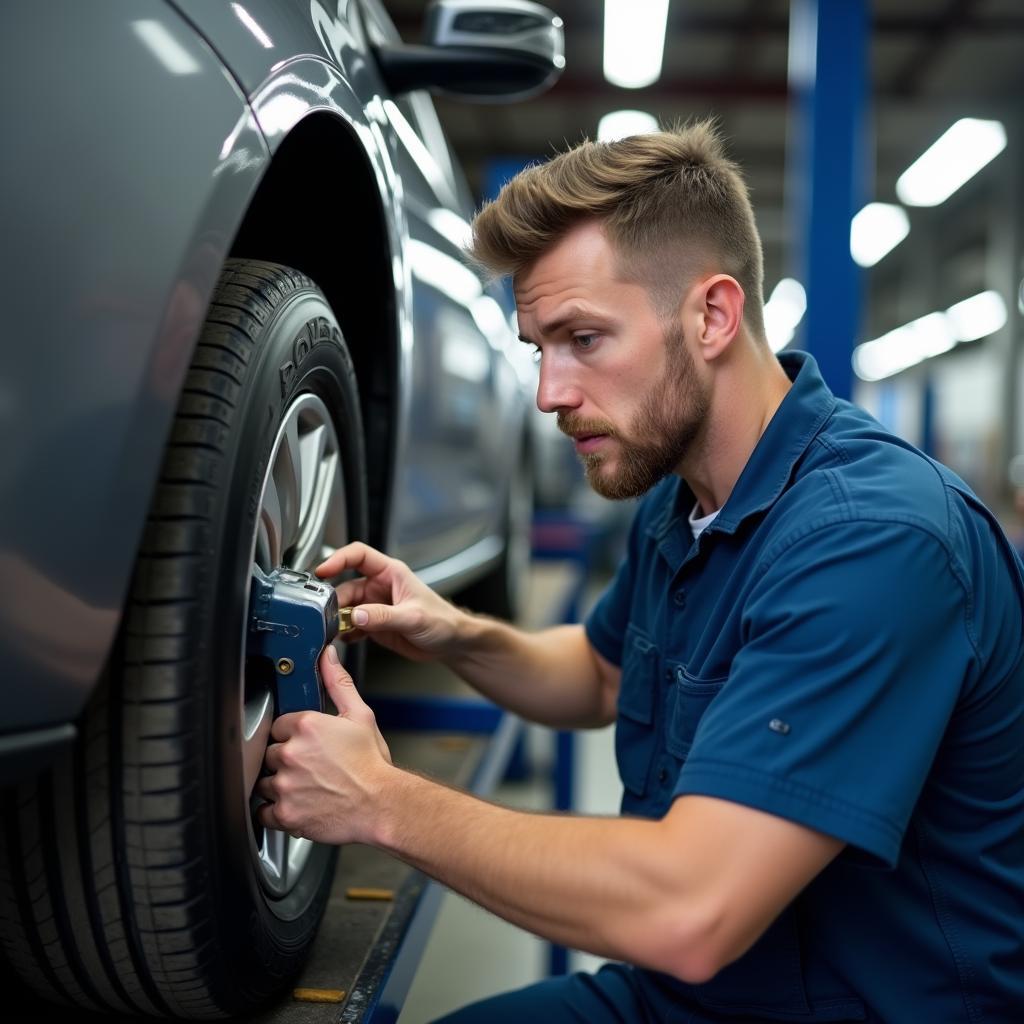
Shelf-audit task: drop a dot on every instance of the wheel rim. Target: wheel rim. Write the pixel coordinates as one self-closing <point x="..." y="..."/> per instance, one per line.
<point x="302" y="517"/>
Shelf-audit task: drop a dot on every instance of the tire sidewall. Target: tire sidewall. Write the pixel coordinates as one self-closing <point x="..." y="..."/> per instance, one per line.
<point x="300" y="350"/>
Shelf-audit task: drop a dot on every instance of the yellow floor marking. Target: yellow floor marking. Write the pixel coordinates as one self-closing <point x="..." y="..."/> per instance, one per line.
<point x="357" y="893"/>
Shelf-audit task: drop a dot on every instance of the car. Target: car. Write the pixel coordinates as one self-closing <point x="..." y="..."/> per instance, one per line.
<point x="242" y="331"/>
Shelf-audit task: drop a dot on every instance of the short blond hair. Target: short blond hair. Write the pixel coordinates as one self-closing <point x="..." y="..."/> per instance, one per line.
<point x="670" y="203"/>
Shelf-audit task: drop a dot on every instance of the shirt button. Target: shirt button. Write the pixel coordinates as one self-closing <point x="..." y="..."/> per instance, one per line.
<point x="663" y="775"/>
<point x="668" y="674"/>
<point x="679" y="598"/>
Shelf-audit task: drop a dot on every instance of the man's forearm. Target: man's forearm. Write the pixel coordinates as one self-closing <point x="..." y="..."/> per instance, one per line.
<point x="548" y="677"/>
<point x="590" y="883"/>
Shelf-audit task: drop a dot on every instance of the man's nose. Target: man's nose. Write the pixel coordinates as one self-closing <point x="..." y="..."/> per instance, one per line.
<point x="555" y="388"/>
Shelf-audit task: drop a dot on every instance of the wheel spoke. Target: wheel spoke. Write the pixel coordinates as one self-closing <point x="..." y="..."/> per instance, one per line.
<point x="268" y="536"/>
<point x="288" y="478"/>
<point x="274" y="854"/>
<point x="312" y="446"/>
<point x="259" y="717"/>
<point x="326" y="505"/>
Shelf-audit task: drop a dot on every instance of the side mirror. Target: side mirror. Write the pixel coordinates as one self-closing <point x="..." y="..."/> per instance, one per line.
<point x="489" y="51"/>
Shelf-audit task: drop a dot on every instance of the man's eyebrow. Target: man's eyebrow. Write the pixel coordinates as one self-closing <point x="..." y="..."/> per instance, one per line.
<point x="571" y="314"/>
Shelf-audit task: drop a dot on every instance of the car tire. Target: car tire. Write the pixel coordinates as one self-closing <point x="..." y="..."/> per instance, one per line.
<point x="501" y="592"/>
<point x="133" y="876"/>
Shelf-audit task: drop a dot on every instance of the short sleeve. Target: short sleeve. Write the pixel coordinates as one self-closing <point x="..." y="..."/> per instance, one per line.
<point x="855" y="652"/>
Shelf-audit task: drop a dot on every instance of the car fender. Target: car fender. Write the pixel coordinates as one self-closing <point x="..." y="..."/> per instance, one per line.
<point x="126" y="211"/>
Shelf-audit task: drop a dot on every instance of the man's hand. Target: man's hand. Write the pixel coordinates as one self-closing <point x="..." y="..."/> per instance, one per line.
<point x="392" y="605"/>
<point x="328" y="771"/>
<point x="553" y="677"/>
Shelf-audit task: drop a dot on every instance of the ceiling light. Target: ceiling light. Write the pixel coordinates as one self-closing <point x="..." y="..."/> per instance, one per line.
<point x="634" y="41"/>
<point x="783" y="312"/>
<point x="977" y="317"/>
<point x="904" y="347"/>
<point x="955" y="157"/>
<point x="620" y="124"/>
<point x="876" y="230"/>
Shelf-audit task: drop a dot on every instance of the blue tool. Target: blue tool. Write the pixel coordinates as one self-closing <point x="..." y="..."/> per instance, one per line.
<point x="293" y="616"/>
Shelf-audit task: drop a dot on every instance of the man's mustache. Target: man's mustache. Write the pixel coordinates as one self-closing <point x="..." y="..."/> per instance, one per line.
<point x="579" y="426"/>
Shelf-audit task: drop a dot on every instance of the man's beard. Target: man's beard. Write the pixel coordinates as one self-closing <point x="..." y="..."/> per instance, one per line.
<point x="662" y="432"/>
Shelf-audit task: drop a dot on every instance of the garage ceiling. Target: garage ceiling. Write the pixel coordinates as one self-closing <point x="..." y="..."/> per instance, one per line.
<point x="932" y="62"/>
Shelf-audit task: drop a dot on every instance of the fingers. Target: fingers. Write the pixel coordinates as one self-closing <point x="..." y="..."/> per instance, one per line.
<point x="351" y="592"/>
<point x="272" y="758"/>
<point x="391" y="618"/>
<point x="341" y="689"/>
<point x="359" y="556"/>
<point x="266" y="814"/>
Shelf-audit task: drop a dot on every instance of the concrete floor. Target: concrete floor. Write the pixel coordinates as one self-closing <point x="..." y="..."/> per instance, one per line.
<point x="472" y="954"/>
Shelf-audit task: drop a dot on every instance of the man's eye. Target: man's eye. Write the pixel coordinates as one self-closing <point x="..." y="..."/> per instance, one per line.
<point x="585" y="341"/>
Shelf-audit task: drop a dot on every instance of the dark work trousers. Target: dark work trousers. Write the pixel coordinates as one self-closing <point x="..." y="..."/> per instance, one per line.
<point x="611" y="996"/>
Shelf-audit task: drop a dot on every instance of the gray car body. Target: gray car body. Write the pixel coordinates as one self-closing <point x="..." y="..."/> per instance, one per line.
<point x="141" y="139"/>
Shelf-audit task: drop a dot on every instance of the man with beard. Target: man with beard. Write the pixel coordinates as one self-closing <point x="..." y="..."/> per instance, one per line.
<point x="812" y="652"/>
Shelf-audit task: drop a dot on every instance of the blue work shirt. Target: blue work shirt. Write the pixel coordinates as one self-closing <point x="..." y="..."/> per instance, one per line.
<point x="841" y="647"/>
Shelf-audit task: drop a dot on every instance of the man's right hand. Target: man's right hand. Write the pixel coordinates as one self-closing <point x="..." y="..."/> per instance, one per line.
<point x="392" y="605"/>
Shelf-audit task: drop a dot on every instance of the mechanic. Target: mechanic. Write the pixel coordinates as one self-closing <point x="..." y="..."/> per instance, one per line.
<point x="812" y="651"/>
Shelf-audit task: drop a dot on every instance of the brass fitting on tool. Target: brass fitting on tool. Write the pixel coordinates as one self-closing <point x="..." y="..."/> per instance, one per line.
<point x="345" y="623"/>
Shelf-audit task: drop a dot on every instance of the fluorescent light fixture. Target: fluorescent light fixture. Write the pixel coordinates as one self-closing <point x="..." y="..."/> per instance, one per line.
<point x="977" y="317"/>
<point x="634" y="41"/>
<point x="783" y="312"/>
<point x="253" y="26"/>
<point x="904" y="347"/>
<point x="620" y="124"/>
<point x="165" y="47"/>
<point x="877" y="230"/>
<point x="955" y="157"/>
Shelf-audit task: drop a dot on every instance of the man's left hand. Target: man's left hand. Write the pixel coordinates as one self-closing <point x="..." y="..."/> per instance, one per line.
<point x="327" y="771"/>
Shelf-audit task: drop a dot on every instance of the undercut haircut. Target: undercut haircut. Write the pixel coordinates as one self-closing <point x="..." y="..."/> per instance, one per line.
<point x="670" y="203"/>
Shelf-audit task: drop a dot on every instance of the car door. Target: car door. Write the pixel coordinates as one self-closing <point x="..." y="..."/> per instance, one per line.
<point x="449" y="488"/>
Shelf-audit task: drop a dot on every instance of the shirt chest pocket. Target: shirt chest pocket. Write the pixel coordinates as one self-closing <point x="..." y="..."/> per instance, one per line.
<point x="635" y="724"/>
<point x="688" y="699"/>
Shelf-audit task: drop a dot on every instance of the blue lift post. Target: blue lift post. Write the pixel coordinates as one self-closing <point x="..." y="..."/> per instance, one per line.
<point x="826" y="171"/>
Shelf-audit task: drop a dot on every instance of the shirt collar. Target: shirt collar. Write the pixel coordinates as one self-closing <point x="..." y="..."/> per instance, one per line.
<point x="801" y="415"/>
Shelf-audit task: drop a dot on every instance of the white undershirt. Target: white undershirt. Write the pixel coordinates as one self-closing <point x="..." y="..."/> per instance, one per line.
<point x="700" y="523"/>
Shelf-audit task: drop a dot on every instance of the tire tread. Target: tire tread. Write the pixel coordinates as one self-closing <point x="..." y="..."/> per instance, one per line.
<point x="140" y="936"/>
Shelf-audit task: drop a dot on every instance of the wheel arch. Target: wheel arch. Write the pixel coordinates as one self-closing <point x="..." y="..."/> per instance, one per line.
<point x="332" y="227"/>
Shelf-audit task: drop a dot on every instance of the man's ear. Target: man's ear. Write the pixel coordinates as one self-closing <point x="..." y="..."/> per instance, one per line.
<point x="720" y="301"/>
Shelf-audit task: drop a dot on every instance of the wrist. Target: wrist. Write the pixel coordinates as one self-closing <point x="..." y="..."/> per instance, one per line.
<point x="395" y="795"/>
<point x="465" y="633"/>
